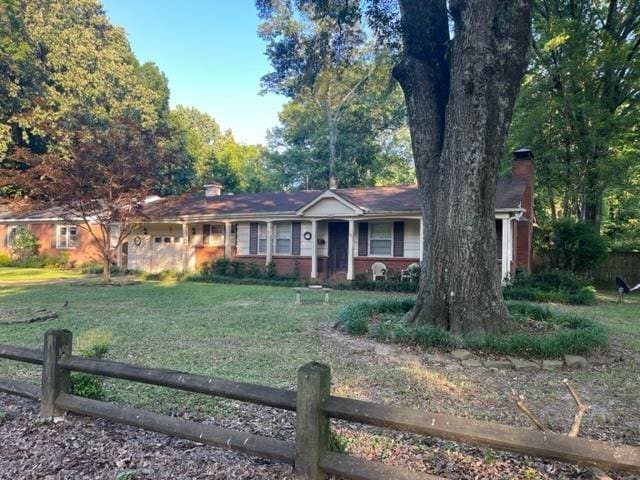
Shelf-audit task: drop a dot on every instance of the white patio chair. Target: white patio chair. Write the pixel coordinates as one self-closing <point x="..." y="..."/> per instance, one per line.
<point x="410" y="272"/>
<point x="379" y="270"/>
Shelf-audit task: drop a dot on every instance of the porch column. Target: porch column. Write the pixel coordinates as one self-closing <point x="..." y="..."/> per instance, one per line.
<point x="314" y="249"/>
<point x="421" y="240"/>
<point x="227" y="239"/>
<point x="512" y="260"/>
<point x="506" y="254"/>
<point x="269" y="241"/>
<point x="186" y="245"/>
<point x="350" y="251"/>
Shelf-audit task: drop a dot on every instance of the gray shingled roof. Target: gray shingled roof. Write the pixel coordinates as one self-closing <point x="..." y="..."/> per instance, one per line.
<point x="371" y="199"/>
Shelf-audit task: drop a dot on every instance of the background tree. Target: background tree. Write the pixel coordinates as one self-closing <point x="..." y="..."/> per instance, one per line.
<point x="579" y="106"/>
<point x="321" y="54"/>
<point x="216" y="155"/>
<point x="373" y="146"/>
<point x="100" y="181"/>
<point x="460" y="65"/>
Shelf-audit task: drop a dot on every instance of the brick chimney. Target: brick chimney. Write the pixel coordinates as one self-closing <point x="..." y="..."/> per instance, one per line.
<point x="212" y="189"/>
<point x="522" y="165"/>
<point x="522" y="169"/>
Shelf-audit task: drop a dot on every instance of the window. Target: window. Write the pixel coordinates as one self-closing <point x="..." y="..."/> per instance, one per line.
<point x="262" y="238"/>
<point x="213" y="235"/>
<point x="380" y="239"/>
<point x="12" y="231"/>
<point x="67" y="236"/>
<point x="283" y="238"/>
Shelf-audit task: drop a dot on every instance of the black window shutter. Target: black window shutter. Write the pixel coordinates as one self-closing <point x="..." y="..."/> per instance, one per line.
<point x="398" y="239"/>
<point x="295" y="238"/>
<point x="253" y="239"/>
<point x="363" y="239"/>
<point x="206" y="234"/>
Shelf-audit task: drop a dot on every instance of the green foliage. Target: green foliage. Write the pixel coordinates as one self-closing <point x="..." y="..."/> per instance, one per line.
<point x="337" y="443"/>
<point x="125" y="475"/>
<point x="553" y="279"/>
<point x="60" y="261"/>
<point x="578" y="109"/>
<point x="557" y="286"/>
<point x="97" y="268"/>
<point x="271" y="270"/>
<point x="391" y="285"/>
<point x="564" y="334"/>
<point x="260" y="280"/>
<point x="585" y="296"/>
<point x="163" y="276"/>
<point x="85" y="385"/>
<point x="25" y="245"/>
<point x="574" y="246"/>
<point x="354" y="318"/>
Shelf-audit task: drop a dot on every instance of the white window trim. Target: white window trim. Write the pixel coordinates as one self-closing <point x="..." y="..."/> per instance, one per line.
<point x="67" y="237"/>
<point x="262" y="228"/>
<point x="211" y="242"/>
<point x="290" y="238"/>
<point x="390" y="255"/>
<point x="9" y="240"/>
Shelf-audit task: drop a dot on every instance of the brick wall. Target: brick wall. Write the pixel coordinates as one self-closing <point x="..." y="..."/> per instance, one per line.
<point x="86" y="251"/>
<point x="206" y="254"/>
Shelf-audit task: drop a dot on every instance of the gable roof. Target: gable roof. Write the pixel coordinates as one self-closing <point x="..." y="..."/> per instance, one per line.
<point x="371" y="200"/>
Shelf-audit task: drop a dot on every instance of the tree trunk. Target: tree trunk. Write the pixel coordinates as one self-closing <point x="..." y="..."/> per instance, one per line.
<point x="106" y="268"/>
<point x="460" y="104"/>
<point x="332" y="124"/>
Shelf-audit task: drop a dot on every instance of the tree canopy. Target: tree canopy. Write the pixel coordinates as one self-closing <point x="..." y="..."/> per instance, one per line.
<point x="579" y="106"/>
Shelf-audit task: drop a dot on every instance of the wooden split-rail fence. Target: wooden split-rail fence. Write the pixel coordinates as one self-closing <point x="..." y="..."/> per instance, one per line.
<point x="314" y="406"/>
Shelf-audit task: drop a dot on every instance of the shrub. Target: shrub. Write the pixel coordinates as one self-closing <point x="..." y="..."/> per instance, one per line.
<point x="220" y="266"/>
<point x="271" y="271"/>
<point x="568" y="334"/>
<point x="575" y="246"/>
<point x="553" y="279"/>
<point x="40" y="261"/>
<point x="253" y="270"/>
<point x="585" y="296"/>
<point x="276" y="282"/>
<point x="25" y="244"/>
<point x="85" y="385"/>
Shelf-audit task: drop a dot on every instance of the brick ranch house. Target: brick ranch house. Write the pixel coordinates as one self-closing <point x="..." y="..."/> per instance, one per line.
<point x="328" y="235"/>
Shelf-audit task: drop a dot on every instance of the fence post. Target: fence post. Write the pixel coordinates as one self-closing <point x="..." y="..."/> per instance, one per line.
<point x="55" y="380"/>
<point x="312" y="425"/>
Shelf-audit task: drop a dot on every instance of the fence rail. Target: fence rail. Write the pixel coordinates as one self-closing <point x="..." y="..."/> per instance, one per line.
<point x="314" y="406"/>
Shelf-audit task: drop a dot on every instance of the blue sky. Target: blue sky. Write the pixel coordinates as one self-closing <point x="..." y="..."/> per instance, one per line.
<point x="211" y="54"/>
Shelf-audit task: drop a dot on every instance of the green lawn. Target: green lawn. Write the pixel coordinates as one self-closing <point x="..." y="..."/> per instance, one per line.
<point x="257" y="334"/>
<point x="28" y="275"/>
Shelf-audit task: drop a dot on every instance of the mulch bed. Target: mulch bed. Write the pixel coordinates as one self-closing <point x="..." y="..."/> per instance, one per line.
<point x="84" y="448"/>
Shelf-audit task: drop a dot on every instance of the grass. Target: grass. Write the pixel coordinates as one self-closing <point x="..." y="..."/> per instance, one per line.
<point x="257" y="334"/>
<point x="246" y="333"/>
<point x="30" y="275"/>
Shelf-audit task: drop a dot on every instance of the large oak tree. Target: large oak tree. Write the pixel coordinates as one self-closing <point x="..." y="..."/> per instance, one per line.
<point x="460" y="64"/>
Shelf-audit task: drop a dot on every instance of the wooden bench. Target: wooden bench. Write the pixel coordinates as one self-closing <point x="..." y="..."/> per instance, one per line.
<point x="299" y="291"/>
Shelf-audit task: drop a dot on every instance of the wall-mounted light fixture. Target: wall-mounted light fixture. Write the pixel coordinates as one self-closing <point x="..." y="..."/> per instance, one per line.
<point x="144" y="230"/>
<point x="193" y="230"/>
